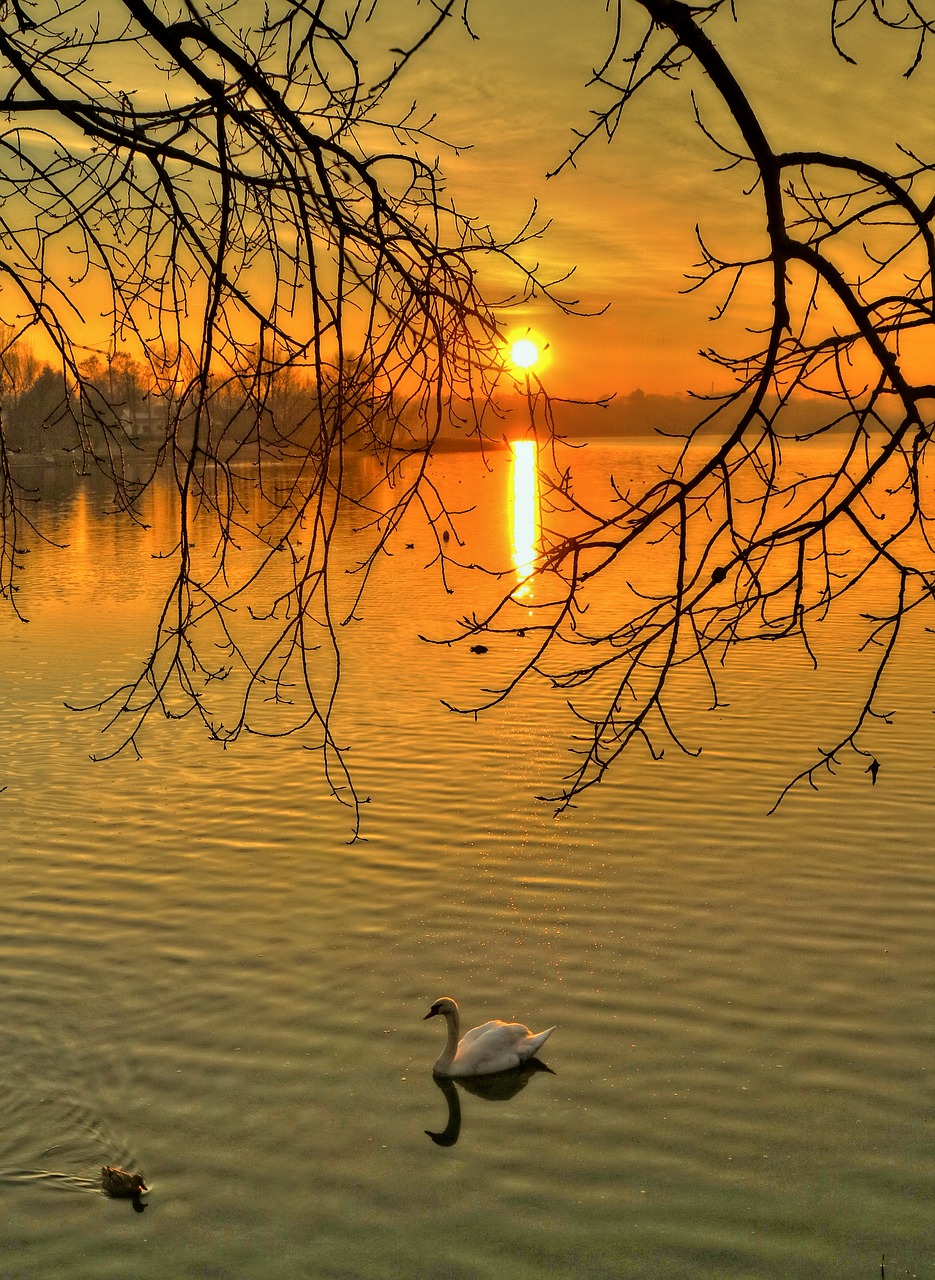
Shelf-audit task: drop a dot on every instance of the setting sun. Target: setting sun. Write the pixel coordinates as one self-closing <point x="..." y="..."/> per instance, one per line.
<point x="524" y="353"/>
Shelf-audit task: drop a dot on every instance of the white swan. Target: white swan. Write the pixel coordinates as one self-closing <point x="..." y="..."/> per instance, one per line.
<point x="494" y="1046"/>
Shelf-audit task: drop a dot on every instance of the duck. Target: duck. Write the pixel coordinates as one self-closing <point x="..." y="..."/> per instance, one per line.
<point x="487" y="1049"/>
<point x="117" y="1182"/>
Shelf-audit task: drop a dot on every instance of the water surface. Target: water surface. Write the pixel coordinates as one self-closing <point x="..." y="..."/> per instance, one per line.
<point x="204" y="980"/>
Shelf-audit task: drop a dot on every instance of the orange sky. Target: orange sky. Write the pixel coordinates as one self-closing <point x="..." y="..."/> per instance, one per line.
<point x="625" y="217"/>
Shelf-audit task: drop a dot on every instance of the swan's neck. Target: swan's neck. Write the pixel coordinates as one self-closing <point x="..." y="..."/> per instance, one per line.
<point x="451" y="1044"/>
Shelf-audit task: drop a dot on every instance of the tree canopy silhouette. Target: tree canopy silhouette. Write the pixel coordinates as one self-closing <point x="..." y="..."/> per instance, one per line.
<point x="749" y="540"/>
<point x="236" y="200"/>
<point x="230" y="190"/>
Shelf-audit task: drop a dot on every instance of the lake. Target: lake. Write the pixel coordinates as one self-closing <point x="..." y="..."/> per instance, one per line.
<point x="205" y="980"/>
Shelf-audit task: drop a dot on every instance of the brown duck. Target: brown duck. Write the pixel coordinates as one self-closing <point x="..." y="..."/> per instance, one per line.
<point x="117" y="1182"/>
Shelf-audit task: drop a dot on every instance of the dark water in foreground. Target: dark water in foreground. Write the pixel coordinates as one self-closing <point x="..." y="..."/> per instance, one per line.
<point x="202" y="979"/>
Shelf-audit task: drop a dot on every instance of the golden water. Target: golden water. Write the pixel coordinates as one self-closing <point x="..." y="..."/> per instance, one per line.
<point x="202" y="979"/>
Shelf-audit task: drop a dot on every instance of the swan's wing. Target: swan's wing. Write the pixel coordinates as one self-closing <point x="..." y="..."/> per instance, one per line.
<point x="475" y="1033"/>
<point x="493" y="1047"/>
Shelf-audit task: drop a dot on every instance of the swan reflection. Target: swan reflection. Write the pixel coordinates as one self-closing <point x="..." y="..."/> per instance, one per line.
<point x="497" y="1088"/>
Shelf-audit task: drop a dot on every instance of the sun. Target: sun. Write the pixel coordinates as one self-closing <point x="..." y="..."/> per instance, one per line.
<point x="524" y="353"/>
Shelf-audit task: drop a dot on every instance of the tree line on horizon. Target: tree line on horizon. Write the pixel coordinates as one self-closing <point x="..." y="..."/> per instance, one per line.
<point x="264" y="405"/>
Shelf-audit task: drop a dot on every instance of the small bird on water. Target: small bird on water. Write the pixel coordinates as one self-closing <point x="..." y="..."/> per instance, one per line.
<point x="117" y="1182"/>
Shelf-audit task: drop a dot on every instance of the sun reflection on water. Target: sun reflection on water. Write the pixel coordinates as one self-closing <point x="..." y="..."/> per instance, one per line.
<point x="525" y="513"/>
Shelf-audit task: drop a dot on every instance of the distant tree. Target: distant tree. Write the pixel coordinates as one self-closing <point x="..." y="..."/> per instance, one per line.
<point x="126" y="382"/>
<point x="757" y="546"/>
<point x="18" y="366"/>
<point x="43" y="421"/>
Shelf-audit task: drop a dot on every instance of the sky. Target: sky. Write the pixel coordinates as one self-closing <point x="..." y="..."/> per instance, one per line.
<point x="625" y="216"/>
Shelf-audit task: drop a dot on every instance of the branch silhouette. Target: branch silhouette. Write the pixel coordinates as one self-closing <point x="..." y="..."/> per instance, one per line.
<point x="746" y="539"/>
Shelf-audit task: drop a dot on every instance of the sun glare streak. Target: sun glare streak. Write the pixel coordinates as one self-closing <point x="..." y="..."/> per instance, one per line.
<point x="525" y="513"/>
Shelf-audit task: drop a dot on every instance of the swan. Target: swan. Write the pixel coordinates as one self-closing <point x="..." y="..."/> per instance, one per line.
<point x="492" y="1047"/>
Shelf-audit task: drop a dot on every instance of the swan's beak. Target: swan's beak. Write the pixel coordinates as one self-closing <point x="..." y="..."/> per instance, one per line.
<point x="431" y="1014"/>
